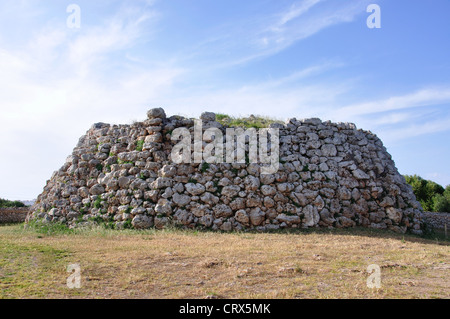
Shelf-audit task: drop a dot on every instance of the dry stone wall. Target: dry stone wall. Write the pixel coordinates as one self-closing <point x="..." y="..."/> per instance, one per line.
<point x="330" y="175"/>
<point x="437" y="220"/>
<point x="13" y="215"/>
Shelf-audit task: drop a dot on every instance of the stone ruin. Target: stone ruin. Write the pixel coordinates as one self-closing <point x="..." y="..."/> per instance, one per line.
<point x="330" y="175"/>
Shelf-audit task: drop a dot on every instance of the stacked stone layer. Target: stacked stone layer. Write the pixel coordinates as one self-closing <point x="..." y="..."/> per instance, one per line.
<point x="330" y="175"/>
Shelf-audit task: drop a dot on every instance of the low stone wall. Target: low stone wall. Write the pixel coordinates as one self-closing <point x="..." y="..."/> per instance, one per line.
<point x="13" y="215"/>
<point x="437" y="220"/>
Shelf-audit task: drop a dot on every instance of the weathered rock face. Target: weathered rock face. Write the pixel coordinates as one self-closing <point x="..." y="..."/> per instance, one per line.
<point x="330" y="175"/>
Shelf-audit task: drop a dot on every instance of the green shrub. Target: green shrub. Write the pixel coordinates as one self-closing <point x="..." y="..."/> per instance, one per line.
<point x="139" y="145"/>
<point x="98" y="203"/>
<point x="221" y="117"/>
<point x="426" y="191"/>
<point x="204" y="167"/>
<point x="8" y="203"/>
<point x="246" y="122"/>
<point x="127" y="225"/>
<point x="441" y="203"/>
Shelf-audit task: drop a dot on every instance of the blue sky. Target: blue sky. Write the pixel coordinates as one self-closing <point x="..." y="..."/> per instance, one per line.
<point x="305" y="58"/>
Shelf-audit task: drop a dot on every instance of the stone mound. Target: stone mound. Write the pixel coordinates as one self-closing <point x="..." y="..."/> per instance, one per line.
<point x="329" y="175"/>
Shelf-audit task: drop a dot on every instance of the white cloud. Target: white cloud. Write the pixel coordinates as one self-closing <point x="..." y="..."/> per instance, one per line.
<point x="400" y="117"/>
<point x="296" y="24"/>
<point x="59" y="83"/>
<point x="301" y="74"/>
<point x="260" y="99"/>
<point x="117" y="34"/>
<point x="266" y="35"/>
<point x="421" y="98"/>
<point x="409" y="131"/>
<point x="296" y="10"/>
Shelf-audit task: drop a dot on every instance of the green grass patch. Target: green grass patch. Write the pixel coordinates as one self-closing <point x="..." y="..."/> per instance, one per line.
<point x="29" y="269"/>
<point x="253" y="121"/>
<point x="47" y="228"/>
<point x="139" y="145"/>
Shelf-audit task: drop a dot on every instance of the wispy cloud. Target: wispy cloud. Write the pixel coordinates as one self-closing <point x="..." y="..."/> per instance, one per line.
<point x="270" y="33"/>
<point x="54" y="86"/>
<point x="408" y="131"/>
<point x="56" y="82"/>
<point x="295" y="11"/>
<point x="423" y="97"/>
<point x="302" y="74"/>
<point x="298" y="100"/>
<point x="400" y="117"/>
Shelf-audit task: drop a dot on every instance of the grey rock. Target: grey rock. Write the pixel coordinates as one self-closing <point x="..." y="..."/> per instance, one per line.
<point x="162" y="182"/>
<point x="96" y="189"/>
<point x="231" y="191"/>
<point x="242" y="217"/>
<point x="183" y="217"/>
<point x="163" y="207"/>
<point x="222" y="210"/>
<point x="138" y="211"/>
<point x="394" y="214"/>
<point x="326" y="217"/>
<point x="154" y="138"/>
<point x="311" y="216"/>
<point x="268" y="190"/>
<point x="359" y="174"/>
<point x="256" y="216"/>
<point x="142" y="222"/>
<point x="156" y="113"/>
<point x="329" y="150"/>
<point x="206" y="220"/>
<point x="181" y="200"/>
<point x="168" y="171"/>
<point x="161" y="222"/>
<point x="209" y="198"/>
<point x="208" y="116"/>
<point x="289" y="220"/>
<point x="195" y="189"/>
<point x="124" y="182"/>
<point x="344" y="222"/>
<point x="201" y="210"/>
<point x="227" y="226"/>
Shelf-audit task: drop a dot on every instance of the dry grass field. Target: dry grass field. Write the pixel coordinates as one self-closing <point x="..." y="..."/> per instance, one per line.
<point x="193" y="264"/>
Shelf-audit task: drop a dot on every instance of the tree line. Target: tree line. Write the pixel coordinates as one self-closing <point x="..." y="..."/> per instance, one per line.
<point x="9" y="203"/>
<point x="432" y="196"/>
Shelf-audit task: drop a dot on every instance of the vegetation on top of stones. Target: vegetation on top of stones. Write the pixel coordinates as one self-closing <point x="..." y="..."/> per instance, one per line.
<point x="253" y="121"/>
<point x="9" y="203"/>
<point x="432" y="196"/>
